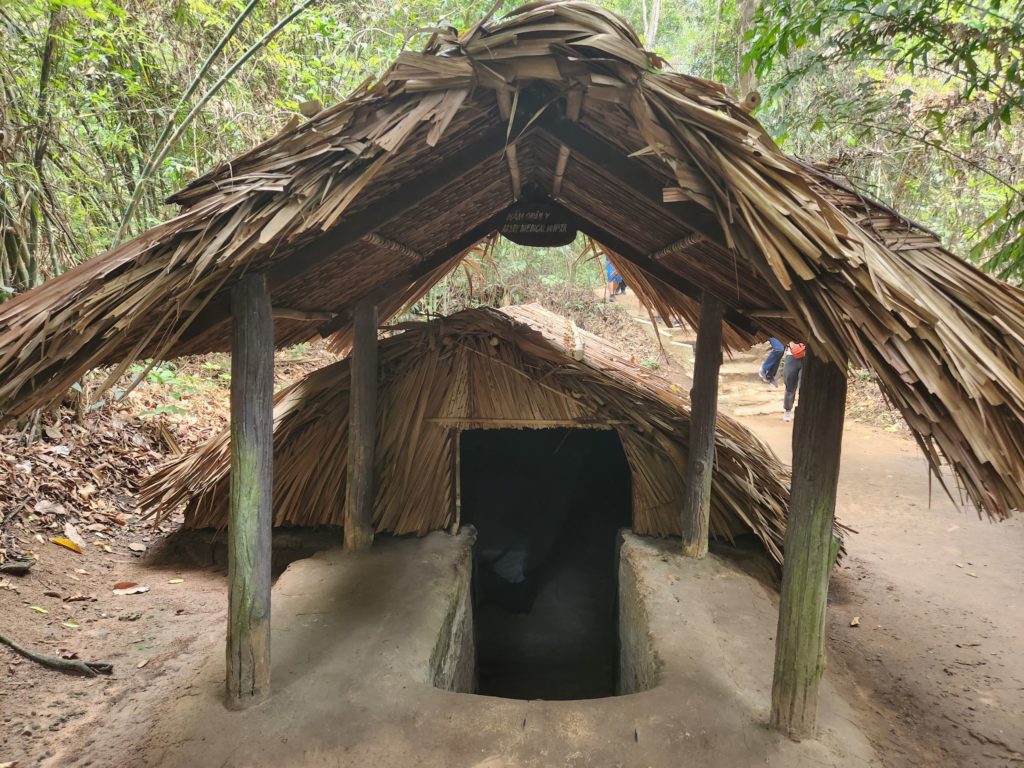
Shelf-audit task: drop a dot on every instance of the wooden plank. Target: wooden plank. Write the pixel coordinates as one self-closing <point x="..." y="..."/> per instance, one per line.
<point x="700" y="459"/>
<point x="809" y="548"/>
<point x="249" y="524"/>
<point x="362" y="431"/>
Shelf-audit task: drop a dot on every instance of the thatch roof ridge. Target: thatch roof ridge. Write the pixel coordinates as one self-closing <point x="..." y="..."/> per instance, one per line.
<point x="603" y="388"/>
<point x="787" y="246"/>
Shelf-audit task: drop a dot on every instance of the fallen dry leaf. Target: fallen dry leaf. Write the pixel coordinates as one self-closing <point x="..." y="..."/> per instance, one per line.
<point x="67" y="543"/>
<point x="131" y="589"/>
<point x="70" y="624"/>
<point x="78" y="598"/>
<point x="72" y="533"/>
<point x="37" y="609"/>
<point x="176" y="581"/>
<point x="47" y="507"/>
<point x="855" y="621"/>
<point x="142" y="663"/>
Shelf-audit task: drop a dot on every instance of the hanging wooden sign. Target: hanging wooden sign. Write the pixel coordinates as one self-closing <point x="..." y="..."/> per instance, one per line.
<point x="538" y="224"/>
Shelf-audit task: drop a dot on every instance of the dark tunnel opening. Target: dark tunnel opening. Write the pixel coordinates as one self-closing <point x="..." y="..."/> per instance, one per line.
<point x="547" y="505"/>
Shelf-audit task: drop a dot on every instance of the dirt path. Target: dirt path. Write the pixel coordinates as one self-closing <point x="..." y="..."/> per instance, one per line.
<point x="940" y="597"/>
<point x="933" y="668"/>
<point x="934" y="665"/>
<point x="153" y="639"/>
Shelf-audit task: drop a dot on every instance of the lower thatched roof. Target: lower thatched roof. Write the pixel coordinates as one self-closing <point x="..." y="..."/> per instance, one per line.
<point x="478" y="369"/>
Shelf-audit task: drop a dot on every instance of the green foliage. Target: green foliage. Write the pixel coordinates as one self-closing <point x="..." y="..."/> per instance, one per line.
<point x="88" y="86"/>
<point x="514" y="274"/>
<point x="918" y="102"/>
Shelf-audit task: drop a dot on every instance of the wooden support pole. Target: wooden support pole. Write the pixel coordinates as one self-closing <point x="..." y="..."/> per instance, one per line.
<point x="362" y="428"/>
<point x="800" y="641"/>
<point x="703" y="414"/>
<point x="249" y="523"/>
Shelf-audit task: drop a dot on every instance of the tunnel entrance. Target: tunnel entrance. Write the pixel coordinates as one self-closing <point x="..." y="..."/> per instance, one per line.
<point x="547" y="505"/>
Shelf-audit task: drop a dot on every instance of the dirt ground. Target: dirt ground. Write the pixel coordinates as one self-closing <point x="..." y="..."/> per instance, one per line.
<point x="934" y="664"/>
<point x="933" y="669"/>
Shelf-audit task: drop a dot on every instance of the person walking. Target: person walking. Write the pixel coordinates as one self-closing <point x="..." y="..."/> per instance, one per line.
<point x="615" y="282"/>
<point x="792" y="367"/>
<point x="770" y="367"/>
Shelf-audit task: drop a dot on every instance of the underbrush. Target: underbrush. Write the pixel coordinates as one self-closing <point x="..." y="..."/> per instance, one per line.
<point x="72" y="472"/>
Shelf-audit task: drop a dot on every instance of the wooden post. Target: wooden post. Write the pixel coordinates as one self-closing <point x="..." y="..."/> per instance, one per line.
<point x="249" y="523"/>
<point x="800" y="641"/>
<point x="362" y="428"/>
<point x="700" y="460"/>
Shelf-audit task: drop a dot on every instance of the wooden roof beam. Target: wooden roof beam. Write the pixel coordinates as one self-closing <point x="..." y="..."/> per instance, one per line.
<point x="630" y="172"/>
<point x="512" y="158"/>
<point x="413" y="273"/>
<point x="308" y="315"/>
<point x="504" y="99"/>
<point x="410" y="255"/>
<point x="563" y="160"/>
<point x="678" y="246"/>
<point x="573" y="110"/>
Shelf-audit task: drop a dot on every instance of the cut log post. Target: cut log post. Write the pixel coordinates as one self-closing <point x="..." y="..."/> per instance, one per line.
<point x="703" y="413"/>
<point x="362" y="429"/>
<point x="800" y="640"/>
<point x="250" y="520"/>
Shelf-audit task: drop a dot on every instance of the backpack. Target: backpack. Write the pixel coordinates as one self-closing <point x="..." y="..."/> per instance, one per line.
<point x="797" y="350"/>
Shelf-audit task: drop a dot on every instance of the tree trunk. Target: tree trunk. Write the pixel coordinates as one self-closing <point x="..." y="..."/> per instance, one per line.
<point x="249" y="525"/>
<point x="362" y="428"/>
<point x="745" y="78"/>
<point x="651" y="33"/>
<point x="700" y="460"/>
<point x="800" y="643"/>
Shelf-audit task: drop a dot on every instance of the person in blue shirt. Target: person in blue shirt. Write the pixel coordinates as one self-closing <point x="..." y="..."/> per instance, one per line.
<point x="615" y="283"/>
<point x="770" y="367"/>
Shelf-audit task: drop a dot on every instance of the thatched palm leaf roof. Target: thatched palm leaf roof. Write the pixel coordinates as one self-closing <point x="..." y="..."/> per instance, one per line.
<point x="483" y="368"/>
<point x="667" y="172"/>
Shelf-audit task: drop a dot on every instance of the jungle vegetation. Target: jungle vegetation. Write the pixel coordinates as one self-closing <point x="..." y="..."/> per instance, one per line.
<point x="108" y="106"/>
